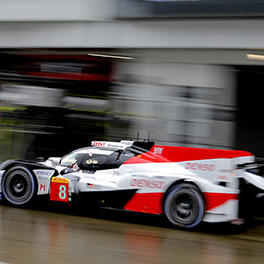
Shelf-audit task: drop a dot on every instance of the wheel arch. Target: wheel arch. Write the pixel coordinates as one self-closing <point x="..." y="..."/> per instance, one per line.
<point x="7" y="165"/>
<point x="183" y="181"/>
<point x="14" y="164"/>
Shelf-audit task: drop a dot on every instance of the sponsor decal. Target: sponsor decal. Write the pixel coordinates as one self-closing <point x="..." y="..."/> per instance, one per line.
<point x="107" y="144"/>
<point x="44" y="173"/>
<point x="91" y="161"/>
<point x="158" y="150"/>
<point x="60" y="180"/>
<point x="199" y="166"/>
<point x="98" y="144"/>
<point x="113" y="146"/>
<point x="142" y="183"/>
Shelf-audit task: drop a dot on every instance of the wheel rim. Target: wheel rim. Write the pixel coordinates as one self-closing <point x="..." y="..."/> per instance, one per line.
<point x="184" y="207"/>
<point x="18" y="187"/>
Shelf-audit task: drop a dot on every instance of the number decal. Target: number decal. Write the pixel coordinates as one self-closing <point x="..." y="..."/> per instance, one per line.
<point x="42" y="188"/>
<point x="62" y="193"/>
<point x="59" y="189"/>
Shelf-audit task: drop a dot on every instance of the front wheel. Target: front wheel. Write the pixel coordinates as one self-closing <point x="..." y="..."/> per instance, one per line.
<point x="18" y="186"/>
<point x="184" y="206"/>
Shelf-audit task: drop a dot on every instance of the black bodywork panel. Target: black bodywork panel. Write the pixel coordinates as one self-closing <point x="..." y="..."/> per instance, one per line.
<point x="106" y="199"/>
<point x="251" y="200"/>
<point x="29" y="164"/>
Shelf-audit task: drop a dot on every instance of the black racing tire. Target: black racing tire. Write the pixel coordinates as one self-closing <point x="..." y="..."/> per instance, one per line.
<point x="184" y="206"/>
<point x="19" y="186"/>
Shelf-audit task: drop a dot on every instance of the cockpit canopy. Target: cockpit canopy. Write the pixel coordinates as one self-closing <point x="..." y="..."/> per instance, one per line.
<point x="95" y="158"/>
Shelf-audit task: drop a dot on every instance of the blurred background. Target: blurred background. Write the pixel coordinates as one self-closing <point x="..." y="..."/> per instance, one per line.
<point x="180" y="72"/>
<point x="188" y="72"/>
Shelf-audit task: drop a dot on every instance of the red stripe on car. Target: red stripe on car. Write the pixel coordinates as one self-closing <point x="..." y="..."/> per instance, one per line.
<point x="178" y="154"/>
<point x="214" y="200"/>
<point x="145" y="203"/>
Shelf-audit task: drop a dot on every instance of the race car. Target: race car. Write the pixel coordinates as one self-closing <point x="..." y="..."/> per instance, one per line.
<point x="186" y="185"/>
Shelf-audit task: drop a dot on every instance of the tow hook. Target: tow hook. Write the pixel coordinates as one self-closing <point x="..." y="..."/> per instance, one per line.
<point x="238" y="221"/>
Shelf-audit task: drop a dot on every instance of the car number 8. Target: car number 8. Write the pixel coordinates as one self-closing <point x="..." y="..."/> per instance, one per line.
<point x="62" y="193"/>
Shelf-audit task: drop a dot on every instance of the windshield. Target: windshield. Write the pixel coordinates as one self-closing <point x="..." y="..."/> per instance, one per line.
<point x="70" y="159"/>
<point x="78" y="154"/>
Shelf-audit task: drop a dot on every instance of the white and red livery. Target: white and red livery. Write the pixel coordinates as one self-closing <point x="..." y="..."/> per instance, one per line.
<point x="187" y="185"/>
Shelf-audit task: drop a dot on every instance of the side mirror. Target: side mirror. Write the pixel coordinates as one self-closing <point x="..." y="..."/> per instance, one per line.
<point x="54" y="160"/>
<point x="40" y="159"/>
<point x="71" y="168"/>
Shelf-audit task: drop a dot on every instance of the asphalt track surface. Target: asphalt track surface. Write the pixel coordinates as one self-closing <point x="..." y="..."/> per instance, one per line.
<point x="56" y="235"/>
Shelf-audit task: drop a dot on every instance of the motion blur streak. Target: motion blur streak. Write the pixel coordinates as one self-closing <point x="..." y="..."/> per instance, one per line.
<point x="49" y="99"/>
<point x="43" y="237"/>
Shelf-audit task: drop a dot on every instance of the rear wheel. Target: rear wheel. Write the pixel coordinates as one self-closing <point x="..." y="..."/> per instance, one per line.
<point x="18" y="186"/>
<point x="184" y="206"/>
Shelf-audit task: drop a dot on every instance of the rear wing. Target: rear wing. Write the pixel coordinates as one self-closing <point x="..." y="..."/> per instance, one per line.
<point x="250" y="165"/>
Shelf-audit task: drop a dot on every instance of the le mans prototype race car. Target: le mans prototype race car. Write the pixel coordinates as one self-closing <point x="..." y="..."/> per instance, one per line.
<point x="187" y="185"/>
